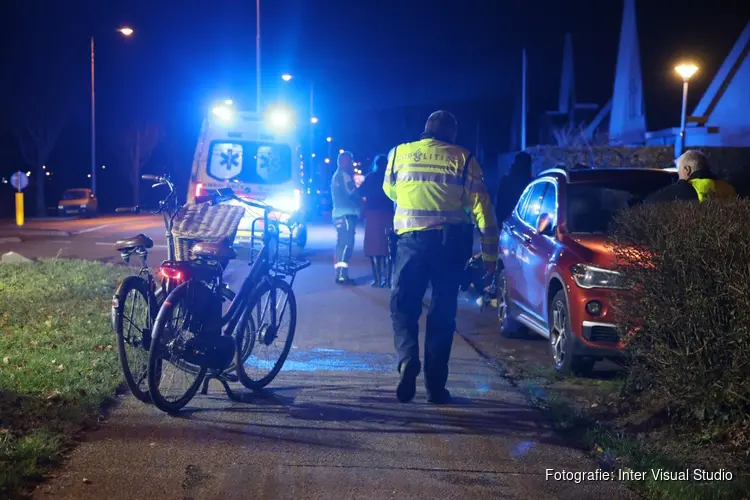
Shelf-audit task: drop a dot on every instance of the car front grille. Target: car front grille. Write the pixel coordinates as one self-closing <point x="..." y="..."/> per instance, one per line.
<point x="605" y="334"/>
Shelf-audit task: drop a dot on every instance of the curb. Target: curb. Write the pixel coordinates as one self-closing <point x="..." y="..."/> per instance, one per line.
<point x="34" y="232"/>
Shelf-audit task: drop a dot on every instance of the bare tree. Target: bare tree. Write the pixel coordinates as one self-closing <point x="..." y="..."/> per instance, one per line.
<point x="39" y="118"/>
<point x="140" y="141"/>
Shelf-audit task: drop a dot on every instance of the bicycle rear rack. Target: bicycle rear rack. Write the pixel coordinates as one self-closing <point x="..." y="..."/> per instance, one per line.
<point x="281" y="256"/>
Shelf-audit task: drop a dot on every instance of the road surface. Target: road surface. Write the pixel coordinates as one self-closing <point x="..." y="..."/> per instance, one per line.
<point x="329" y="426"/>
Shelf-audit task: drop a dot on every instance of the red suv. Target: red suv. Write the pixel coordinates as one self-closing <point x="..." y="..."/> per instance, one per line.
<point x="556" y="277"/>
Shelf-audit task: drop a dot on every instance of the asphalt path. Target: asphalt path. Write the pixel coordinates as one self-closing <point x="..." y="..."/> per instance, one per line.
<point x="329" y="426"/>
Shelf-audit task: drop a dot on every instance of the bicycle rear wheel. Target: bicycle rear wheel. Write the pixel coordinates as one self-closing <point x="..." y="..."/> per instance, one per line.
<point x="168" y="346"/>
<point x="227" y="296"/>
<point x="134" y="309"/>
<point x="262" y="347"/>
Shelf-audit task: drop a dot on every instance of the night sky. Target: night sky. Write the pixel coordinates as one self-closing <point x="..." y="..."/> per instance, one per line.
<point x="362" y="56"/>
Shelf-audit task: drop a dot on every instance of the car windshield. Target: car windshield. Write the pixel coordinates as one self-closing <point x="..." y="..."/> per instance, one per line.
<point x="592" y="205"/>
<point x="74" y="194"/>
<point x="250" y="162"/>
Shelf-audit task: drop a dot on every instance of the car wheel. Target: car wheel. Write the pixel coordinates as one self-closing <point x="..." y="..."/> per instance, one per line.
<point x="509" y="327"/>
<point x="561" y="341"/>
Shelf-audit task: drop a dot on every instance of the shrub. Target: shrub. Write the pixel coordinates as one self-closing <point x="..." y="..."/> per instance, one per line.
<point x="689" y="306"/>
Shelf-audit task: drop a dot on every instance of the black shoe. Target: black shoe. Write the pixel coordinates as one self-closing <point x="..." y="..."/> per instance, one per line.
<point x="407" y="384"/>
<point x="439" y="397"/>
<point x="342" y="276"/>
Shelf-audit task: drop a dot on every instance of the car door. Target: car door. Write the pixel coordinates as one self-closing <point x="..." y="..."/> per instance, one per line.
<point x="509" y="244"/>
<point x="538" y="252"/>
<point x="520" y="235"/>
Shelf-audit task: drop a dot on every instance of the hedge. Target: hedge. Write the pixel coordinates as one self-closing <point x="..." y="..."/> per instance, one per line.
<point x="688" y="311"/>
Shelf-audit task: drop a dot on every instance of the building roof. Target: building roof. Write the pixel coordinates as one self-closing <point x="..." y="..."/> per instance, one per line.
<point x="724" y="76"/>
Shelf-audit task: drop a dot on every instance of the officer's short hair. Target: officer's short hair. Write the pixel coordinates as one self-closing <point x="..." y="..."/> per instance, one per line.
<point x="695" y="160"/>
<point x="441" y="124"/>
<point x="345" y="153"/>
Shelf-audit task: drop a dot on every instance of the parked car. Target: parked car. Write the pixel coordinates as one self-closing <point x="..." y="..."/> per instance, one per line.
<point x="556" y="276"/>
<point x="78" y="201"/>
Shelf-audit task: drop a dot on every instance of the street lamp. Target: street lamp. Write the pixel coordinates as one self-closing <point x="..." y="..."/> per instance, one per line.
<point x="286" y="77"/>
<point x="126" y="32"/>
<point x="314" y="120"/>
<point x="329" y="139"/>
<point x="686" y="72"/>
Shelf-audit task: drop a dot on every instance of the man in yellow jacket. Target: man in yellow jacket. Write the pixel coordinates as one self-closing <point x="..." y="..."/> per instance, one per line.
<point x="696" y="182"/>
<point x="438" y="188"/>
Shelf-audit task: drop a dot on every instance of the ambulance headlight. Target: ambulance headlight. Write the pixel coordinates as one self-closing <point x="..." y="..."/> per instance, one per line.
<point x="289" y="203"/>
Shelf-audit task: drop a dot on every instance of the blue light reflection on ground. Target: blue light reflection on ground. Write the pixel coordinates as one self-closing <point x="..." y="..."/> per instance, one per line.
<point x="319" y="360"/>
<point x="522" y="448"/>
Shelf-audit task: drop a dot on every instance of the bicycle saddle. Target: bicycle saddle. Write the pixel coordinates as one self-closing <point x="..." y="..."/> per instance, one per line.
<point x="218" y="251"/>
<point x="139" y="240"/>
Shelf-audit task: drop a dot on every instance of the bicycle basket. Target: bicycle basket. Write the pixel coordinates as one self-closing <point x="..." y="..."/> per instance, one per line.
<point x="204" y="222"/>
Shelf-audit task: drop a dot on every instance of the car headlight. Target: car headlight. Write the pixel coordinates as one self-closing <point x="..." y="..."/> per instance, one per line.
<point x="287" y="203"/>
<point x="84" y="206"/>
<point x="587" y="276"/>
<point x="59" y="207"/>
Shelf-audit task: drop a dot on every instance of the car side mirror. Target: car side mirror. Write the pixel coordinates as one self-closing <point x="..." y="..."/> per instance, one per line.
<point x="545" y="225"/>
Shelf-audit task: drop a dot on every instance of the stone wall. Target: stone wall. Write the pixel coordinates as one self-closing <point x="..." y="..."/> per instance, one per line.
<point x="732" y="164"/>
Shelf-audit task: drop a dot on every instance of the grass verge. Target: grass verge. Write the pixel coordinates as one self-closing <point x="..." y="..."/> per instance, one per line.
<point x="591" y="411"/>
<point x="58" y="361"/>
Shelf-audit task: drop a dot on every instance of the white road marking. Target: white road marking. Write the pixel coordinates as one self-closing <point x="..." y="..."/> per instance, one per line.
<point x="10" y="239"/>
<point x="96" y="228"/>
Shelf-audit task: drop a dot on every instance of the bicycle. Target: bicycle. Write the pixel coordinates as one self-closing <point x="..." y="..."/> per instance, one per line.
<point x="210" y="345"/>
<point x="133" y="331"/>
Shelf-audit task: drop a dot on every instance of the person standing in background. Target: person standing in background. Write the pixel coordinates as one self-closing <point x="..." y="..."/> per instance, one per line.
<point x="378" y="223"/>
<point x="346" y="203"/>
<point x="512" y="185"/>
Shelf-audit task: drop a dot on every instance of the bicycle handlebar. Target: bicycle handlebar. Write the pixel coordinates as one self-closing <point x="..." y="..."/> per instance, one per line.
<point x="227" y="194"/>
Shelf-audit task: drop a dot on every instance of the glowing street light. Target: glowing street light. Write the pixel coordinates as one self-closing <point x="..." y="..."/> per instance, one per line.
<point x="286" y="77"/>
<point x="126" y="31"/>
<point x="686" y="72"/>
<point x="327" y="160"/>
<point x="28" y="174"/>
<point x="46" y="173"/>
<point x="341" y="151"/>
<point x="329" y="139"/>
<point x="313" y="155"/>
<point x="314" y="120"/>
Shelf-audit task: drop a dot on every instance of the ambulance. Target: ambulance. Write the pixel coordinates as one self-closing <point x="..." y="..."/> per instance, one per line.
<point x="258" y="156"/>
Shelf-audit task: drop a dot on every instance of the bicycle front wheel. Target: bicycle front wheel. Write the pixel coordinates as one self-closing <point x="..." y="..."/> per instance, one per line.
<point x="170" y="386"/>
<point x="134" y="309"/>
<point x="263" y="346"/>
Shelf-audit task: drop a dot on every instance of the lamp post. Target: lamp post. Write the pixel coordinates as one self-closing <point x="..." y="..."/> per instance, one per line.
<point x="313" y="120"/>
<point x="125" y="31"/>
<point x="686" y="72"/>
<point x="257" y="56"/>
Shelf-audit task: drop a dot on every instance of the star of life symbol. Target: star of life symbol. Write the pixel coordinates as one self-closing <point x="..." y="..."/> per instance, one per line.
<point x="226" y="161"/>
<point x="417" y="155"/>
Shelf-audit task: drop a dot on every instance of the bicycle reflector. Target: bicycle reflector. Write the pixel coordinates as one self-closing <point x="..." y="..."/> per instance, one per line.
<point x="171" y="273"/>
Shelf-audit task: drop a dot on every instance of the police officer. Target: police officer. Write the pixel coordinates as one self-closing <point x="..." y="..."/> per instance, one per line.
<point x="696" y="182"/>
<point x="438" y="188"/>
<point x="346" y="204"/>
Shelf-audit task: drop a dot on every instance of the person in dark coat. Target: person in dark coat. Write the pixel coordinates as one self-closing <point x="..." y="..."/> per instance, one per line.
<point x="378" y="223"/>
<point x="512" y="185"/>
<point x="696" y="182"/>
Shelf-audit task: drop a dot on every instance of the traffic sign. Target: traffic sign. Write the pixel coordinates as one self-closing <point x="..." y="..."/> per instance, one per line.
<point x="19" y="180"/>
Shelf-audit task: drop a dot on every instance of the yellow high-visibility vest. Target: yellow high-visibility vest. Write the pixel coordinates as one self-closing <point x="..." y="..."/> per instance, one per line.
<point x="433" y="184"/>
<point x="712" y="189"/>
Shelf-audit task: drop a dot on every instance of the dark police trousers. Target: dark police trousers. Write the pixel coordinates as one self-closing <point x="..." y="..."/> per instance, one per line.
<point x="424" y="257"/>
<point x="345" y="227"/>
